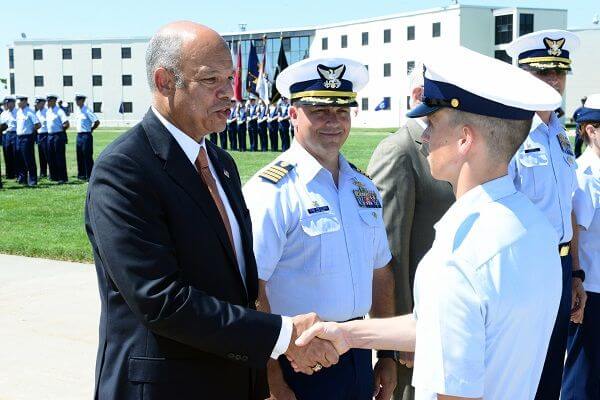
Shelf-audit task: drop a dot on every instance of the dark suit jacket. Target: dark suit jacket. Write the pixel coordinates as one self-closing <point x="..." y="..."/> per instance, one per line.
<point x="176" y="319"/>
<point x="412" y="203"/>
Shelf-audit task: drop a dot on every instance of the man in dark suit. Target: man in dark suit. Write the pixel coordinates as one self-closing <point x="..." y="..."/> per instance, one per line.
<point x="172" y="243"/>
<point x="413" y="201"/>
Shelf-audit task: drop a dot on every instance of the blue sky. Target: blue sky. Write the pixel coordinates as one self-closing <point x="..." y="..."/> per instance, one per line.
<point x="68" y="19"/>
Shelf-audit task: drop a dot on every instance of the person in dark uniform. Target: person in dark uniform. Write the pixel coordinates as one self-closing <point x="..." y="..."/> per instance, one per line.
<point x="232" y="125"/>
<point x="87" y="122"/>
<point x="9" y="139"/>
<point x="284" y="124"/>
<point x="262" y="126"/>
<point x="273" y="125"/>
<point x="252" y="112"/>
<point x="27" y="123"/>
<point x="57" y="124"/>
<point x="223" y="138"/>
<point x="241" y="126"/>
<point x="42" y="136"/>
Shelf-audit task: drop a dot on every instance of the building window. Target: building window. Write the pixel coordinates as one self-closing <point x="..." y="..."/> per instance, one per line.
<point x="387" y="35"/>
<point x="324" y="43"/>
<point x="364" y="104"/>
<point x="97" y="106"/>
<point x="67" y="80"/>
<point x="38" y="54"/>
<point x="410" y="65"/>
<point x="365" y="38"/>
<point x="127" y="80"/>
<point x="344" y="41"/>
<point x="436" y="29"/>
<point x="387" y="69"/>
<point x="504" y="29"/>
<point x="96" y="80"/>
<point x="67" y="54"/>
<point x="125" y="52"/>
<point x="410" y="32"/>
<point x="367" y="66"/>
<point x="70" y="107"/>
<point x="11" y="58"/>
<point x="127" y="107"/>
<point x="96" y="53"/>
<point x="12" y="82"/>
<point x="38" y="81"/>
<point x="408" y="103"/>
<point x="503" y="55"/>
<point x="525" y="24"/>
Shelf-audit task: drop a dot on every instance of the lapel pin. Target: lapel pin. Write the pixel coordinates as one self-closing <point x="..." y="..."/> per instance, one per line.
<point x="226" y="173"/>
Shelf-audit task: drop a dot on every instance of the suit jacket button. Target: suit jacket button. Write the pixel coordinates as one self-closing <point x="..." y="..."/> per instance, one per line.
<point x="230" y="355"/>
<point x="244" y="358"/>
<point x="238" y="357"/>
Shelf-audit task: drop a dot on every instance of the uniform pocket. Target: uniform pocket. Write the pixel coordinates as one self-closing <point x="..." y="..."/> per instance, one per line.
<point x="372" y="219"/>
<point x="535" y="167"/>
<point x="319" y="243"/>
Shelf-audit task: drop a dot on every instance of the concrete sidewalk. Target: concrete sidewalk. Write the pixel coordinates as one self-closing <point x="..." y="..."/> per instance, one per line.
<point x="48" y="328"/>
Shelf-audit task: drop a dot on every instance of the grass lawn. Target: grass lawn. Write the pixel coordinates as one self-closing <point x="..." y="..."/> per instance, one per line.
<point x="47" y="221"/>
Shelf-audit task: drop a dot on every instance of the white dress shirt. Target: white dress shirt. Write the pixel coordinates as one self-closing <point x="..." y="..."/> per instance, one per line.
<point x="191" y="148"/>
<point x="586" y="204"/>
<point x="486" y="297"/>
<point x="316" y="246"/>
<point x="544" y="169"/>
<point x="85" y="119"/>
<point x="26" y="121"/>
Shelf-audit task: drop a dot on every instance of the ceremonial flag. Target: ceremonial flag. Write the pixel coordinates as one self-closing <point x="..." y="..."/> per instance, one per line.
<point x="281" y="65"/>
<point x="262" y="86"/>
<point x="252" y="74"/>
<point x="383" y="105"/>
<point x="237" y="80"/>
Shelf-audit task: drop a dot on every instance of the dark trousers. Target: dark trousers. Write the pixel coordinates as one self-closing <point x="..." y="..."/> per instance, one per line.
<point x="350" y="379"/>
<point x="581" y="380"/>
<point x="253" y="134"/>
<point x="232" y="133"/>
<point x="42" y="142"/>
<point x="284" y="133"/>
<point x="9" y="149"/>
<point x="262" y="135"/>
<point x="56" y="157"/>
<point x="274" y="135"/>
<point x="550" y="382"/>
<point x="28" y="168"/>
<point x="241" y="135"/>
<point x="1" y="137"/>
<point x="85" y="155"/>
<point x="578" y="144"/>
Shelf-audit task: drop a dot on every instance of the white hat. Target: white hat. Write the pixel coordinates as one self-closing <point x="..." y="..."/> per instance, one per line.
<point x="80" y="96"/>
<point x="548" y="49"/>
<point x="51" y="96"/>
<point x="462" y="79"/>
<point x="323" y="81"/>
<point x="21" y="97"/>
<point x="9" y="98"/>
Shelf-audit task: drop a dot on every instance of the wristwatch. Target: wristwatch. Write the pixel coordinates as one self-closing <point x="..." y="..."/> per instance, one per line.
<point x="578" y="273"/>
<point x="388" y="354"/>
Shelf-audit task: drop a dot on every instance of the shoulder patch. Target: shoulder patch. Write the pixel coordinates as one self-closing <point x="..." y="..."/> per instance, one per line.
<point x="275" y="172"/>
<point x="354" y="167"/>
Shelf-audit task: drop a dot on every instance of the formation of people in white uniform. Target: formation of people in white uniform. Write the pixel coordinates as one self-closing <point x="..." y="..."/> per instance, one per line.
<point x="45" y="124"/>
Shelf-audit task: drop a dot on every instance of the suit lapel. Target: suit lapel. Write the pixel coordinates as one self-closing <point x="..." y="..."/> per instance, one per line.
<point x="236" y="205"/>
<point x="415" y="131"/>
<point x="179" y="168"/>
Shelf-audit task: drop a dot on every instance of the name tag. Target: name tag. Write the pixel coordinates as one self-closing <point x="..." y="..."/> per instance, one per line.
<point x="318" y="209"/>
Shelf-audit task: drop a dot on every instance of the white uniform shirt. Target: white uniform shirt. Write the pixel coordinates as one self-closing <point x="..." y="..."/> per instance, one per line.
<point x="55" y="118"/>
<point x="26" y="120"/>
<point x="191" y="148"/>
<point x="41" y="116"/>
<point x="10" y="119"/>
<point x="544" y="169"/>
<point x="486" y="296"/>
<point x="85" y="119"/>
<point x="314" y="245"/>
<point x="586" y="204"/>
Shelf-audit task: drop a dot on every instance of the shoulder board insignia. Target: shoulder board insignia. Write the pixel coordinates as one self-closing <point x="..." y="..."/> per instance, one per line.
<point x="275" y="172"/>
<point x="354" y="167"/>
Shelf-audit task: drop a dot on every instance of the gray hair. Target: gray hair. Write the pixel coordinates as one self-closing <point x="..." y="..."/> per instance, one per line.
<point x="164" y="51"/>
<point x="503" y="136"/>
